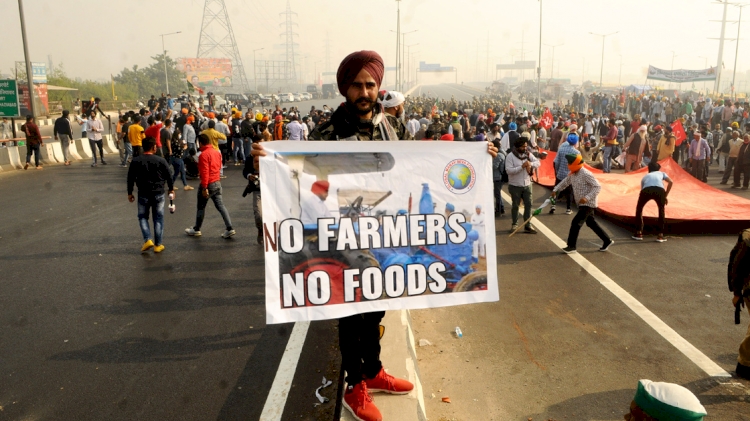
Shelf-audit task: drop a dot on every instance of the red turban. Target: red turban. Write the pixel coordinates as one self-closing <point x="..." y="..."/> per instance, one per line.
<point x="320" y="187"/>
<point x="354" y="63"/>
<point x="447" y="136"/>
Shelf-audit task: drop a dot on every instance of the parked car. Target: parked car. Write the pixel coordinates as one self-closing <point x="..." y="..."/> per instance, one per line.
<point x="289" y="97"/>
<point x="239" y="99"/>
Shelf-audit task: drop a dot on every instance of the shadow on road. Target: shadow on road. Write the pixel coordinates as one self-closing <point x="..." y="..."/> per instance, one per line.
<point x="148" y="350"/>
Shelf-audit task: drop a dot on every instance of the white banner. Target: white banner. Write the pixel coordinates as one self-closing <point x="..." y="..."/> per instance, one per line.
<point x="355" y="227"/>
<point x="681" y="75"/>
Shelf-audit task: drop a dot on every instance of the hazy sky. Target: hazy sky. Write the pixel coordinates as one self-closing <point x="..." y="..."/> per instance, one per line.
<point x="96" y="38"/>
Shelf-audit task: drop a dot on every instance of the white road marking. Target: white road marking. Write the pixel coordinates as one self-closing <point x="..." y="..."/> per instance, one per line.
<point x="273" y="409"/>
<point x="694" y="354"/>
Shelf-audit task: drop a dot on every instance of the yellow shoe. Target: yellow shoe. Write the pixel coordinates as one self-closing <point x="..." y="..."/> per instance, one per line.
<point x="159" y="248"/>
<point x="187" y="188"/>
<point x="147" y="245"/>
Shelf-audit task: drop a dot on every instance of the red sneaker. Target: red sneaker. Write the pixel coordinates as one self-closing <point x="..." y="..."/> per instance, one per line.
<point x="359" y="402"/>
<point x="384" y="382"/>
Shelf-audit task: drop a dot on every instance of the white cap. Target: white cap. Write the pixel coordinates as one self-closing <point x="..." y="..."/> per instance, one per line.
<point x="393" y="99"/>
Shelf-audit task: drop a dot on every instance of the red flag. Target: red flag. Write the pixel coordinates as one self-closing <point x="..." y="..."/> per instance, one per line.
<point x="546" y="120"/>
<point x="679" y="132"/>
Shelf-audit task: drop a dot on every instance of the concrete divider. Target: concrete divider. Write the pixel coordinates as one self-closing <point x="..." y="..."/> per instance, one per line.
<point x="73" y="152"/>
<point x="108" y="144"/>
<point x="83" y="148"/>
<point x="15" y="157"/>
<point x="48" y="155"/>
<point x="5" y="157"/>
<point x="57" y="151"/>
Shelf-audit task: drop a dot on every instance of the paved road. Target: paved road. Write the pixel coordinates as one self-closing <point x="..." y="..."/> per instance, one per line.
<point x="93" y="330"/>
<point x="182" y="335"/>
<point x="559" y="345"/>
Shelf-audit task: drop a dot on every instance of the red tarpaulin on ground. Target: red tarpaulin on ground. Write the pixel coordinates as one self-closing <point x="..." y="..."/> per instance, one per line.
<point x="689" y="200"/>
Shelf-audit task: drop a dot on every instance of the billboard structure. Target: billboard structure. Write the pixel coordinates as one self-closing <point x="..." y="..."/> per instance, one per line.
<point x="39" y="80"/>
<point x="207" y="72"/>
<point x="681" y="75"/>
<point x="434" y="67"/>
<point x="518" y="65"/>
<point x="38" y="70"/>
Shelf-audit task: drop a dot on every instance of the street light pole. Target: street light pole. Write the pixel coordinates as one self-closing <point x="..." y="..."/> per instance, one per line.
<point x="737" y="51"/>
<point x="551" y="70"/>
<point x="255" y="76"/>
<point x="408" y="62"/>
<point x="166" y="76"/>
<point x="539" y="63"/>
<point x="398" y="42"/>
<point x="705" y="67"/>
<point x="672" y="69"/>
<point x="401" y="69"/>
<point x="29" y="74"/>
<point x="601" y="72"/>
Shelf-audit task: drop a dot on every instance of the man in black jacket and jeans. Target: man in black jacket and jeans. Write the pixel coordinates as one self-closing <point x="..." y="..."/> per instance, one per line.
<point x="64" y="131"/>
<point x="149" y="172"/>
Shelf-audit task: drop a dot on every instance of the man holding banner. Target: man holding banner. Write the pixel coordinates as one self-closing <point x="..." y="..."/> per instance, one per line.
<point x="361" y="117"/>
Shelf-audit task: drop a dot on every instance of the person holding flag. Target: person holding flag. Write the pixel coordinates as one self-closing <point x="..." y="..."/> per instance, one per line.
<point x="585" y="189"/>
<point x="665" y="148"/>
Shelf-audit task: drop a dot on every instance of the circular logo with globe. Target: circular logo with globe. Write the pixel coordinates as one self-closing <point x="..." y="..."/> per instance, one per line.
<point x="459" y="176"/>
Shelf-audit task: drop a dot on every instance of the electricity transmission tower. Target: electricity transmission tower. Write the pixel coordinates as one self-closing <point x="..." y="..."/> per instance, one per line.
<point x="289" y="43"/>
<point x="217" y="41"/>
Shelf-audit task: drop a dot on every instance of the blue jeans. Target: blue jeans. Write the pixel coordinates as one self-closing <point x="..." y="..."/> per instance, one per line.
<point x="214" y="193"/>
<point x="179" y="169"/>
<point x="238" y="147"/>
<point x="607" y="159"/>
<point x="246" y="146"/>
<point x="128" y="153"/>
<point x="155" y="204"/>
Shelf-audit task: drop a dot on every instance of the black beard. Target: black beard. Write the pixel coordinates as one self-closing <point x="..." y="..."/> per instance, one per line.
<point x="354" y="108"/>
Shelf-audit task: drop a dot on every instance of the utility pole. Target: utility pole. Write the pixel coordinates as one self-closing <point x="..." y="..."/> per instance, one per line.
<point x="328" y="53"/>
<point x="601" y="72"/>
<point x="403" y="58"/>
<point x="408" y="63"/>
<point x="737" y="51"/>
<point x="672" y="69"/>
<point x="487" y="67"/>
<point x="398" y="42"/>
<point x="166" y="76"/>
<point x="552" y="66"/>
<point x="29" y="74"/>
<point x="717" y="85"/>
<point x="619" y="80"/>
<point x="705" y="67"/>
<point x="523" y="56"/>
<point x="539" y="63"/>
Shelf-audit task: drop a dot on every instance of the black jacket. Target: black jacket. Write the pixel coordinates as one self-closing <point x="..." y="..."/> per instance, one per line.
<point x="149" y="172"/>
<point x="63" y="126"/>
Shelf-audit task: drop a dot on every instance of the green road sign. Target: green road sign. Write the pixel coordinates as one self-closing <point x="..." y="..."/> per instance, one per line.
<point x="9" y="103"/>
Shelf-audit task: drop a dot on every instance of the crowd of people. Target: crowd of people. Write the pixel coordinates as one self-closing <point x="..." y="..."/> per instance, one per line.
<point x="170" y="138"/>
